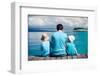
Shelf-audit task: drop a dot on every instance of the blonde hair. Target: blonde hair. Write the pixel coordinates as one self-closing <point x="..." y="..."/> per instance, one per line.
<point x="44" y="36"/>
<point x="71" y="38"/>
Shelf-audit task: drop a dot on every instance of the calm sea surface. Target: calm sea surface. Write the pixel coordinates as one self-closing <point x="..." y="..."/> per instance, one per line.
<point x="81" y="41"/>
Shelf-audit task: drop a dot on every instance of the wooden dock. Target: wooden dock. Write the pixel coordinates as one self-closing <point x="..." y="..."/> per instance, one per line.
<point x="32" y="58"/>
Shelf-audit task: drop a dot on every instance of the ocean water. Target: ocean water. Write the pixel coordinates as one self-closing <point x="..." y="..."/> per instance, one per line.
<point x="81" y="41"/>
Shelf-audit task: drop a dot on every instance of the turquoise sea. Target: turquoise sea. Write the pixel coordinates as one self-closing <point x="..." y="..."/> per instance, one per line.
<point x="81" y="41"/>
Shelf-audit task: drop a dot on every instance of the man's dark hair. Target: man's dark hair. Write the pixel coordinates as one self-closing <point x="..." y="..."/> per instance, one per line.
<point x="59" y="27"/>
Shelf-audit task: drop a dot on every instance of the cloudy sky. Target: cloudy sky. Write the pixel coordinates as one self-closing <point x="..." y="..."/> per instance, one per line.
<point x="52" y="21"/>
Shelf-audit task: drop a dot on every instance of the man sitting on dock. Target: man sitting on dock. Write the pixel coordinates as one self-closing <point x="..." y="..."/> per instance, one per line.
<point x="58" y="40"/>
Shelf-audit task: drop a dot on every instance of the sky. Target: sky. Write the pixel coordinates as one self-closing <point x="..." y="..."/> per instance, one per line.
<point x="52" y="21"/>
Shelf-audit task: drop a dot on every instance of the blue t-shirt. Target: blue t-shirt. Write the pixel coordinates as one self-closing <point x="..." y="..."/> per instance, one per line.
<point x="45" y="48"/>
<point x="58" y="40"/>
<point x="70" y="48"/>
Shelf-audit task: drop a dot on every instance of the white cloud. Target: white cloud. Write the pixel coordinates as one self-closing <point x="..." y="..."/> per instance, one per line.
<point x="36" y="20"/>
<point x="52" y="20"/>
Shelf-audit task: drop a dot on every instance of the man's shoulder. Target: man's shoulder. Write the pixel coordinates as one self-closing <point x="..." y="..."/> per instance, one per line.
<point x="64" y="34"/>
<point x="54" y="33"/>
<point x="57" y="33"/>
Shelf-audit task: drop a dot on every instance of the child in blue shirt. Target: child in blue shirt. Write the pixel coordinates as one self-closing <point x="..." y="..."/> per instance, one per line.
<point x="45" y="45"/>
<point x="71" y="49"/>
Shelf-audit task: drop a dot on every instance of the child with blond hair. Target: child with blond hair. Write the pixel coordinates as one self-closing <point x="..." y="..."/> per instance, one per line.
<point x="45" y="45"/>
